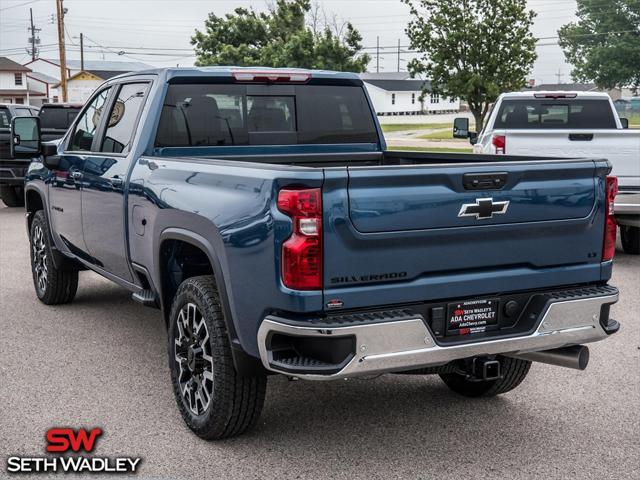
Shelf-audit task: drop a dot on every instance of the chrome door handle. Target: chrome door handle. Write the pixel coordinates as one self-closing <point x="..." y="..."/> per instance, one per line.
<point x="116" y="181"/>
<point x="76" y="174"/>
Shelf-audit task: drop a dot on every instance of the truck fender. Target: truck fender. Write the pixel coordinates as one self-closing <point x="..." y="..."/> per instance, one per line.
<point x="245" y="364"/>
<point x="35" y="199"/>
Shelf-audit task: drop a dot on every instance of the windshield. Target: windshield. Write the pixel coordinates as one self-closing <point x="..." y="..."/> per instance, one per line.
<point x="573" y="113"/>
<point x="217" y="115"/>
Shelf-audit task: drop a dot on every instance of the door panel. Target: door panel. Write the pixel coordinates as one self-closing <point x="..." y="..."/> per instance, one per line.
<point x="65" y="190"/>
<point x="65" y="202"/>
<point x="103" y="213"/>
<point x="105" y="174"/>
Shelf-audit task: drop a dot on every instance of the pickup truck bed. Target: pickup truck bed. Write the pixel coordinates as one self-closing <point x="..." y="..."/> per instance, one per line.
<point x="262" y="213"/>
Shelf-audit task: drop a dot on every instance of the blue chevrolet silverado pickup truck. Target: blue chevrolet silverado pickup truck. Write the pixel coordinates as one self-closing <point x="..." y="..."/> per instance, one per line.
<point x="261" y="212"/>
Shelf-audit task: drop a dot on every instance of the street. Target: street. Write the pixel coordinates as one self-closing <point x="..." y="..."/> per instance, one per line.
<point x="102" y="361"/>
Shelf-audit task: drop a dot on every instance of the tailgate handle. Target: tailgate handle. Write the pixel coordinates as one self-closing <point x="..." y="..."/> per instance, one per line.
<point x="581" y="137"/>
<point x="484" y="181"/>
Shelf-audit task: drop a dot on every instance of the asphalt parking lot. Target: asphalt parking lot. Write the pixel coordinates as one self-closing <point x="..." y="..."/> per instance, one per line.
<point x="101" y="361"/>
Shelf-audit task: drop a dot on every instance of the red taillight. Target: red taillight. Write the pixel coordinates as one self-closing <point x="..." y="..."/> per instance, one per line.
<point x="270" y="76"/>
<point x="610" y="227"/>
<point x="500" y="142"/>
<point x="302" y="252"/>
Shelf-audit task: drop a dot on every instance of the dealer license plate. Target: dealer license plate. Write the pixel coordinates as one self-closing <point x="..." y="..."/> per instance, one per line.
<point x="472" y="316"/>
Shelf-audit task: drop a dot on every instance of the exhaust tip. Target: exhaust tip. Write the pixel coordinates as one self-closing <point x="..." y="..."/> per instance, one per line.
<point x="583" y="357"/>
<point x="576" y="357"/>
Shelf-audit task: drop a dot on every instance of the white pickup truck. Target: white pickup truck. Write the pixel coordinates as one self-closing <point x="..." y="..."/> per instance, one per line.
<point x="567" y="124"/>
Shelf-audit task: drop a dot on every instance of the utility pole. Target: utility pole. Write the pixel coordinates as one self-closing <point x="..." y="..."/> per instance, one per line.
<point x="377" y="54"/>
<point x="61" y="49"/>
<point x="559" y="75"/>
<point x="398" y="55"/>
<point x="82" y="52"/>
<point x="34" y="40"/>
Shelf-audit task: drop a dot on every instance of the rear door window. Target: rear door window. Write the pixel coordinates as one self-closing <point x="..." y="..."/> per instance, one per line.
<point x="219" y="115"/>
<point x="124" y="117"/>
<point x="551" y="114"/>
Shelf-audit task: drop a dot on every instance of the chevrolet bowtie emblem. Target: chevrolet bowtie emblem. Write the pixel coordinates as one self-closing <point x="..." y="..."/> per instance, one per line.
<point x="483" y="208"/>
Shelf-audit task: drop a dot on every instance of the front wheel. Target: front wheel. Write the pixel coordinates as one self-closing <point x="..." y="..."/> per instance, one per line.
<point x="513" y="372"/>
<point x="214" y="400"/>
<point x="53" y="285"/>
<point x="630" y="239"/>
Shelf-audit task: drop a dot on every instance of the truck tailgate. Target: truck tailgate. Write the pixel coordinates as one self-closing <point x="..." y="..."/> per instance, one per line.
<point x="620" y="147"/>
<point x="431" y="198"/>
<point x="419" y="233"/>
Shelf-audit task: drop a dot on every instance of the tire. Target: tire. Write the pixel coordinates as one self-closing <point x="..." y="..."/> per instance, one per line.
<point x="12" y="196"/>
<point x="630" y="238"/>
<point x="53" y="285"/>
<point x="214" y="400"/>
<point x="513" y="373"/>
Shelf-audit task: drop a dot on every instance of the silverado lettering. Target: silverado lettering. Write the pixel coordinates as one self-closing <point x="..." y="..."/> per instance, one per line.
<point x="369" y="278"/>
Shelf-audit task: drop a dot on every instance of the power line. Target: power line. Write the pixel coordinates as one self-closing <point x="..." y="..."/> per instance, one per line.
<point x="19" y="5"/>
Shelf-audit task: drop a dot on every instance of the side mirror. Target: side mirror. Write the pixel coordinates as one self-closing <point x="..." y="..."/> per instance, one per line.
<point x="473" y="138"/>
<point x="624" y="122"/>
<point x="461" y="127"/>
<point x="50" y="158"/>
<point x="25" y="137"/>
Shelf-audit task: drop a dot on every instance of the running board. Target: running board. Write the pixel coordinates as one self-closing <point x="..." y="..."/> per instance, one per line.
<point x="146" y="297"/>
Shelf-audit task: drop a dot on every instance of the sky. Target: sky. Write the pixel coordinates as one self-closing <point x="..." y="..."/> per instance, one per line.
<point x="157" y="32"/>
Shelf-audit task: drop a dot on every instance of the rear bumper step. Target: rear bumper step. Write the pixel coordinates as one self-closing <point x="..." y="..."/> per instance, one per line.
<point x="399" y="340"/>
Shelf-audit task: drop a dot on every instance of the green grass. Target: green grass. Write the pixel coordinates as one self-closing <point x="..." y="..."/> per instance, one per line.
<point x="432" y="149"/>
<point x="634" y="119"/>
<point x="439" y="135"/>
<point x="399" y="127"/>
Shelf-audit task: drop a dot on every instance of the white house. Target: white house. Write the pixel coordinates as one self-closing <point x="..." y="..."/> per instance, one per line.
<point x="398" y="94"/>
<point x="51" y="66"/>
<point x="81" y="83"/>
<point x="14" y="87"/>
<point x="43" y="85"/>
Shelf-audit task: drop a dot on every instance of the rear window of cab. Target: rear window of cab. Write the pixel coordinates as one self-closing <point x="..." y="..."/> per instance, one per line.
<point x="223" y="115"/>
<point x="574" y="113"/>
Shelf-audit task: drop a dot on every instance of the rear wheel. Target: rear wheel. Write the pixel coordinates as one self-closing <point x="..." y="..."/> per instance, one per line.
<point x="214" y="400"/>
<point x="12" y="196"/>
<point x="53" y="285"/>
<point x="513" y="372"/>
<point x="630" y="238"/>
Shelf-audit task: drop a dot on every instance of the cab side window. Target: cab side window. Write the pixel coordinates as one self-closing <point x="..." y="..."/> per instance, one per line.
<point x="88" y="123"/>
<point x="123" y="117"/>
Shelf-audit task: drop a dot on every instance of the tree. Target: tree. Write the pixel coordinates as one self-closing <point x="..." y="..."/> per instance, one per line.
<point x="278" y="38"/>
<point x="604" y="44"/>
<point x="472" y="49"/>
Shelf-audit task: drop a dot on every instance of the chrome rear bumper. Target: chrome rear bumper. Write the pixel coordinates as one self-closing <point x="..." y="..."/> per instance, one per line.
<point x="406" y="344"/>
